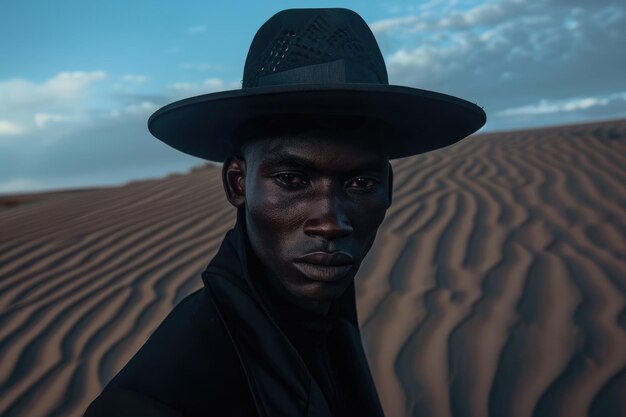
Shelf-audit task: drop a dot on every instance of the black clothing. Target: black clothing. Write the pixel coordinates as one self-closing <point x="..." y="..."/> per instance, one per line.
<point x="308" y="333"/>
<point x="234" y="348"/>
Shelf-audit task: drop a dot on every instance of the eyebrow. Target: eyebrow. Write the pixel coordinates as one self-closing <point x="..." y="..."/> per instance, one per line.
<point x="279" y="156"/>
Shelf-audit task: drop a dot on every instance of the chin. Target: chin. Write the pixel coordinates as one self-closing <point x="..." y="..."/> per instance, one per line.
<point x="315" y="291"/>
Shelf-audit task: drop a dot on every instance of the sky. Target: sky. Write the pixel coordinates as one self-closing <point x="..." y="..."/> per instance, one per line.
<point x="79" y="79"/>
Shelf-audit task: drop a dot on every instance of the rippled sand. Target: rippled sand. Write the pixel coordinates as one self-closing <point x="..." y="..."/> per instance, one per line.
<point x="496" y="286"/>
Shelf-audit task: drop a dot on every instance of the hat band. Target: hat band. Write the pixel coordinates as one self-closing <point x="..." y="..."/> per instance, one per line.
<point x="340" y="71"/>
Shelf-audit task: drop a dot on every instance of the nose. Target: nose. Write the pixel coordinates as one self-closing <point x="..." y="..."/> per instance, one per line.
<point x="328" y="219"/>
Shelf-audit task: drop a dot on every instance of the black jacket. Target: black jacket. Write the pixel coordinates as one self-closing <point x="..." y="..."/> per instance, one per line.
<point x="233" y="349"/>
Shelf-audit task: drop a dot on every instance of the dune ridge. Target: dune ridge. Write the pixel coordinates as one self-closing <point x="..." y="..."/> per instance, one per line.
<point x="496" y="285"/>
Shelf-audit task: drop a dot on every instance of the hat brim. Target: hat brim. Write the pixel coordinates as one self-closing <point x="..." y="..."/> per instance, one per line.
<point x="205" y="126"/>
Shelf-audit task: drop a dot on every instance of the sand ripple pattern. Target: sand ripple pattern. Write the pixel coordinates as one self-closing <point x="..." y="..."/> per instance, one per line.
<point x="496" y="286"/>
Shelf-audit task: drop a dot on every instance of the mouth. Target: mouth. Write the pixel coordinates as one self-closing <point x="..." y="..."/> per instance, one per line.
<point x="324" y="266"/>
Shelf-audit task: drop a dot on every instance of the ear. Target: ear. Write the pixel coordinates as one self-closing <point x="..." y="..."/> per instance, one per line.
<point x="390" y="185"/>
<point x="234" y="180"/>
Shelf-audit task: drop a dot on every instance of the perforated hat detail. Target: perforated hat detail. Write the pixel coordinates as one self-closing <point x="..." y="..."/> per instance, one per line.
<point x="320" y="40"/>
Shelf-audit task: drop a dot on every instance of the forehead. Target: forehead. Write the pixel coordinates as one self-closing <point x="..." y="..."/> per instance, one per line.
<point x="321" y="149"/>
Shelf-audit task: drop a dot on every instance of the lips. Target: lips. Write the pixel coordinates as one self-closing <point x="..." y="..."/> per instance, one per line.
<point x="327" y="258"/>
<point x="324" y="266"/>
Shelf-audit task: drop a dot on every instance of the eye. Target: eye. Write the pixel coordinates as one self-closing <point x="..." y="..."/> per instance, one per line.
<point x="291" y="179"/>
<point x="362" y="183"/>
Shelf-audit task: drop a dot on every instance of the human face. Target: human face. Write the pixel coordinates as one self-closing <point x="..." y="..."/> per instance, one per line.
<point x="313" y="204"/>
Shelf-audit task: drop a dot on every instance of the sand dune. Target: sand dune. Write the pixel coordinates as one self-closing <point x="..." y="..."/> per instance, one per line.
<point x="496" y="286"/>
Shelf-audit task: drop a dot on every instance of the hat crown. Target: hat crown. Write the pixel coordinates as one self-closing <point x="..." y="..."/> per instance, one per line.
<point x="314" y="46"/>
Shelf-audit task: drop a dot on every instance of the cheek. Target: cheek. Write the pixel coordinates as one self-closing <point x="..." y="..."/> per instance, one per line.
<point x="273" y="222"/>
<point x="274" y="211"/>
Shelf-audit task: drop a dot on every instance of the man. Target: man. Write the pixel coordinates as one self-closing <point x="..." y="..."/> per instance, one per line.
<point x="306" y="145"/>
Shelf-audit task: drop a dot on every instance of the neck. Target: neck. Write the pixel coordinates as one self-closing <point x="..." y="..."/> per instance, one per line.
<point x="317" y="307"/>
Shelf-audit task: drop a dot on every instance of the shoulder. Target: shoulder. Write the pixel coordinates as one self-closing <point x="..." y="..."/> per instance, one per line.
<point x="189" y="362"/>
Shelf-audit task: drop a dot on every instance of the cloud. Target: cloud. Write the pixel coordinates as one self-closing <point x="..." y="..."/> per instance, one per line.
<point x="26" y="105"/>
<point x="19" y="185"/>
<point x="135" y="78"/>
<point x="109" y="150"/>
<point x="510" y="54"/>
<point x="210" y="85"/>
<point x="483" y="14"/>
<point x="544" y="107"/>
<point x="74" y="130"/>
<point x="431" y="16"/>
<point x="385" y="26"/>
<point x="62" y="88"/>
<point x="196" y="29"/>
<point x="10" y="129"/>
<point x="43" y="119"/>
<point x="70" y="83"/>
<point x="142" y="108"/>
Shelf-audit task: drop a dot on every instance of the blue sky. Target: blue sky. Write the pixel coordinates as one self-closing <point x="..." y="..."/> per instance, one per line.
<point x="79" y="79"/>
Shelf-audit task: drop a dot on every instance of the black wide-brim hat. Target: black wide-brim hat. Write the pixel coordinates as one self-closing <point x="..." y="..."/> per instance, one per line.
<point x="315" y="63"/>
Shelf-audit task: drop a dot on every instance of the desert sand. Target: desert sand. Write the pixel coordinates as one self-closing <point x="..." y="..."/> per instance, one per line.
<point x="496" y="286"/>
